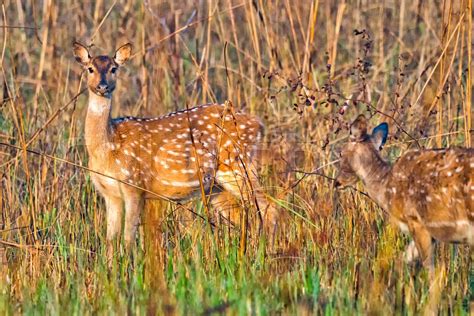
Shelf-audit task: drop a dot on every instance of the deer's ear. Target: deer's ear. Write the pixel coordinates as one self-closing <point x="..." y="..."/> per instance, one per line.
<point x="358" y="131"/>
<point x="123" y="53"/>
<point x="81" y="53"/>
<point x="379" y="135"/>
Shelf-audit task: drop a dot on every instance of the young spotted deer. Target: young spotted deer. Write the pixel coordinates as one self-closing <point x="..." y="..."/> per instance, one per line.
<point x="175" y="156"/>
<point x="429" y="193"/>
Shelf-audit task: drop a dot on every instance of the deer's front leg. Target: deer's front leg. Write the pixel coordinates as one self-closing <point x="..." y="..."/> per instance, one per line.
<point x="114" y="222"/>
<point x="133" y="207"/>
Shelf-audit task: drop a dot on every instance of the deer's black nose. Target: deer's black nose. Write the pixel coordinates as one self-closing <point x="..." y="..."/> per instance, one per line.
<point x="101" y="87"/>
<point x="337" y="184"/>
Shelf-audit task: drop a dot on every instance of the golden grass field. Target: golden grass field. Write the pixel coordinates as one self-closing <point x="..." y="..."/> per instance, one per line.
<point x="307" y="69"/>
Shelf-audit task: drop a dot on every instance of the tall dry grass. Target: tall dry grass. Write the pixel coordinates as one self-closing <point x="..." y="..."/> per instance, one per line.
<point x="306" y="68"/>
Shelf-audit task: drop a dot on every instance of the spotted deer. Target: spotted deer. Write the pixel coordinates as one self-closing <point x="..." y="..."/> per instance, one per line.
<point x="207" y="147"/>
<point x="429" y="193"/>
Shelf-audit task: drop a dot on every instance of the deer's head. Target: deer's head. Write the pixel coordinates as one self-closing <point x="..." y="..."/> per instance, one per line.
<point x="360" y="152"/>
<point x="102" y="70"/>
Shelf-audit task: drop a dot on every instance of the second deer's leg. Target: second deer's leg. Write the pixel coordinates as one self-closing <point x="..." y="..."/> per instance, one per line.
<point x="411" y="252"/>
<point x="424" y="244"/>
<point x="133" y="206"/>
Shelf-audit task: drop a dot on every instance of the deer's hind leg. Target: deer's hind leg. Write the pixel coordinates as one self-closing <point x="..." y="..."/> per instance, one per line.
<point x="225" y="206"/>
<point x="243" y="183"/>
<point x="424" y="244"/>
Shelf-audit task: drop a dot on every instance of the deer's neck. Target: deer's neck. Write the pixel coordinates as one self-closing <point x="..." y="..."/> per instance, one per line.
<point x="97" y="126"/>
<point x="375" y="176"/>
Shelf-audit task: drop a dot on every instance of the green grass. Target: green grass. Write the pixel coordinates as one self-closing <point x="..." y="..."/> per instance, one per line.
<point x="341" y="276"/>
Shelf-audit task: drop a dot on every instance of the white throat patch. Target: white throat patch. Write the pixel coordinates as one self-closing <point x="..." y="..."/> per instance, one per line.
<point x="97" y="104"/>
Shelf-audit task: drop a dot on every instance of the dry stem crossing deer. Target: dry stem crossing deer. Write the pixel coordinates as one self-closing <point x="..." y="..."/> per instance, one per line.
<point x="429" y="193"/>
<point x="175" y="156"/>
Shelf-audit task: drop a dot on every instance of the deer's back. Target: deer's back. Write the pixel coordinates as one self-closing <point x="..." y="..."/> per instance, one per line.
<point x="178" y="152"/>
<point x="436" y="188"/>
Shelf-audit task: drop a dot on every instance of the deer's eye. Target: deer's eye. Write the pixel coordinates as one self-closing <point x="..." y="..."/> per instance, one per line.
<point x="113" y="70"/>
<point x="90" y="69"/>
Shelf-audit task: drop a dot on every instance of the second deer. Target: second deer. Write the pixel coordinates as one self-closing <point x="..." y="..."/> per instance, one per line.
<point x="176" y="156"/>
<point x="429" y="193"/>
